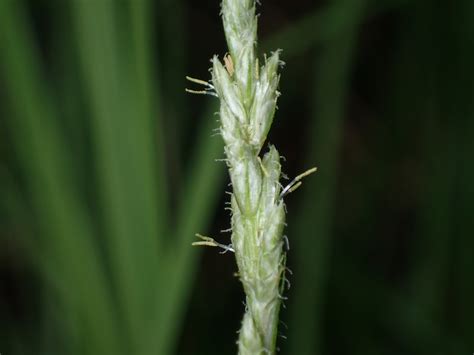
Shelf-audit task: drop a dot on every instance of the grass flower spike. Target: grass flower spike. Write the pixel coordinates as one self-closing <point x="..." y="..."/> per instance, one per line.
<point x="248" y="96"/>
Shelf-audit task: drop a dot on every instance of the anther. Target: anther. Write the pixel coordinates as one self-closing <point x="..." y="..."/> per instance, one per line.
<point x="210" y="242"/>
<point x="296" y="182"/>
<point x="210" y="90"/>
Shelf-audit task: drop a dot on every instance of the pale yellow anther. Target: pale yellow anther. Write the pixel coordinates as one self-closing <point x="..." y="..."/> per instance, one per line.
<point x="229" y="64"/>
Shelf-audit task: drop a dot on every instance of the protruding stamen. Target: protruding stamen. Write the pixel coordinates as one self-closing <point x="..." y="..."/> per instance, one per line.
<point x="199" y="81"/>
<point x="209" y="87"/>
<point x="296" y="182"/>
<point x="210" y="242"/>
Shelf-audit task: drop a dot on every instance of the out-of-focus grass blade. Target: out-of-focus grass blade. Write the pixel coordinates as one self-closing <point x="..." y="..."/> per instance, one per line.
<point x="446" y="222"/>
<point x="149" y="101"/>
<point x="67" y="235"/>
<point x="123" y="132"/>
<point x="198" y="201"/>
<point x="414" y="64"/>
<point x="433" y="96"/>
<point x="322" y="25"/>
<point x="172" y="25"/>
<point x="315" y="220"/>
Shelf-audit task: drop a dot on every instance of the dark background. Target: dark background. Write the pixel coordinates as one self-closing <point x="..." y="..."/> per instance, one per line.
<point x="107" y="170"/>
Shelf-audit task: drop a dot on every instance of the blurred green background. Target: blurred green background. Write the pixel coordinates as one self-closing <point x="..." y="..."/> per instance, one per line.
<point x="107" y="170"/>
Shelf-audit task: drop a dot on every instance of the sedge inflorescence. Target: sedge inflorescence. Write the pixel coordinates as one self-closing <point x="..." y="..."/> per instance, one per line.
<point x="248" y="94"/>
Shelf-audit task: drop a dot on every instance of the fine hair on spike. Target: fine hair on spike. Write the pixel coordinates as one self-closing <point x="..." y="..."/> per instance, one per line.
<point x="287" y="242"/>
<point x="283" y="324"/>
